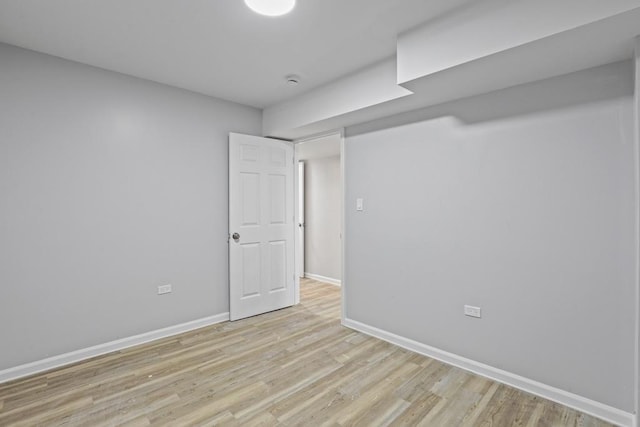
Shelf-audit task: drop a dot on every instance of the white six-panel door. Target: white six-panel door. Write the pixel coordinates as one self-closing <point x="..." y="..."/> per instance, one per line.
<point x="261" y="225"/>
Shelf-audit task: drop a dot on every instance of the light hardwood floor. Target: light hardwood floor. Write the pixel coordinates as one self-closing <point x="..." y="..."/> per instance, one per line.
<point x="296" y="366"/>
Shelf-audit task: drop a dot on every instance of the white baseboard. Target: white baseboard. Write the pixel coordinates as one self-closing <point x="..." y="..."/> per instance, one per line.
<point x="582" y="404"/>
<point x="323" y="279"/>
<point x="100" y="349"/>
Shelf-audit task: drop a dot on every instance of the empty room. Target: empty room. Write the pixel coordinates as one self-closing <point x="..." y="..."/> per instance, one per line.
<point x="177" y="247"/>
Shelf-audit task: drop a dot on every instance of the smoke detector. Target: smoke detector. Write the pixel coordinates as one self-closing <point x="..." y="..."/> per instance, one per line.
<point x="292" y="80"/>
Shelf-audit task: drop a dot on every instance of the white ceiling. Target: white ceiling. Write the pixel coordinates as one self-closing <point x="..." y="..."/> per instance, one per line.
<point x="218" y="47"/>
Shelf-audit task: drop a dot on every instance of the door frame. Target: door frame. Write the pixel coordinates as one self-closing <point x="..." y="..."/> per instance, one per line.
<point x="299" y="209"/>
<point x="341" y="133"/>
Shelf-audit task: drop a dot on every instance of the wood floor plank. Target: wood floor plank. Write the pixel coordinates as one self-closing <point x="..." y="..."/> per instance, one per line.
<point x="327" y="393"/>
<point x="417" y="410"/>
<point x="293" y="367"/>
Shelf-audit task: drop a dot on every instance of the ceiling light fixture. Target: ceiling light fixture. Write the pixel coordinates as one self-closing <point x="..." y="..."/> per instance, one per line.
<point x="271" y="7"/>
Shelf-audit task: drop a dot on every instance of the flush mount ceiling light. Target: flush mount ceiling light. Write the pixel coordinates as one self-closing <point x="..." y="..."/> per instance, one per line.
<point x="271" y="7"/>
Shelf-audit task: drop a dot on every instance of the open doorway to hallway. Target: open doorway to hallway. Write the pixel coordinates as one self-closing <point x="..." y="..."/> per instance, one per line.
<point x="319" y="209"/>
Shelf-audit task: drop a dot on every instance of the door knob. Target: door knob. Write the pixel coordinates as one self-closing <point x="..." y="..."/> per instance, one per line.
<point x="236" y="236"/>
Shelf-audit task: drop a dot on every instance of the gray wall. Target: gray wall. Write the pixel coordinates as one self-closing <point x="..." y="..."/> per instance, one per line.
<point x="521" y="202"/>
<point x="637" y="129"/>
<point x="110" y="186"/>
<point x="323" y="213"/>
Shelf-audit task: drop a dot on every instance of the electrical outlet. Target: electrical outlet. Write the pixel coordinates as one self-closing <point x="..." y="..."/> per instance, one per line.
<point x="472" y="311"/>
<point x="164" y="289"/>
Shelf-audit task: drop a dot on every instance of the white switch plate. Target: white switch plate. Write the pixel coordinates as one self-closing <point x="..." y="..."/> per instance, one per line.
<point x="164" y="289"/>
<point x="472" y="311"/>
<point x="359" y="204"/>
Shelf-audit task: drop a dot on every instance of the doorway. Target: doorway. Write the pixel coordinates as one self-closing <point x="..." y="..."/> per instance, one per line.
<point x="319" y="209"/>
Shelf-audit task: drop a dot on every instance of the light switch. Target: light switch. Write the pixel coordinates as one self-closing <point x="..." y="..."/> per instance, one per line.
<point x="359" y="204"/>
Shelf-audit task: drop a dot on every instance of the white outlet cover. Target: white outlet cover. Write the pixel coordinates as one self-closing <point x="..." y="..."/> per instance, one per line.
<point x="472" y="311"/>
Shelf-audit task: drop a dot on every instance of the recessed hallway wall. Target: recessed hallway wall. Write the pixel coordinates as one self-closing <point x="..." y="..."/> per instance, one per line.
<point x="323" y="213"/>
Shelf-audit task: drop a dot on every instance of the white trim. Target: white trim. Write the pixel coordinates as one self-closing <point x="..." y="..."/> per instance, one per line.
<point x="588" y="406"/>
<point x="297" y="230"/>
<point x="100" y="349"/>
<point x="323" y="279"/>
<point x="343" y="226"/>
<point x="299" y="197"/>
<point x="312" y="138"/>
